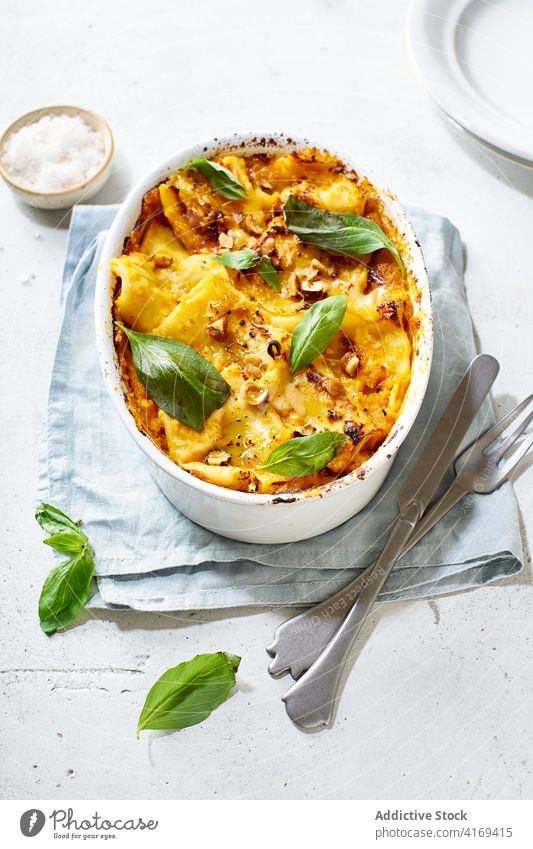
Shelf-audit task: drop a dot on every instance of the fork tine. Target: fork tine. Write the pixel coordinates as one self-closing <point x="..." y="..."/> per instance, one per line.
<point x="512" y="459"/>
<point x="499" y="438"/>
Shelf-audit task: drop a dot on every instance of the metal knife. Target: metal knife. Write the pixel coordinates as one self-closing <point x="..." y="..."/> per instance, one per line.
<point x="311" y="701"/>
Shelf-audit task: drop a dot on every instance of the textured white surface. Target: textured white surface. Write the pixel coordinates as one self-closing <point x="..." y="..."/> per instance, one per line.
<point x="439" y="703"/>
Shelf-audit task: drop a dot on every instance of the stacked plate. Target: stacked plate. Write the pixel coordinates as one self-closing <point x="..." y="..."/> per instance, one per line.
<point x="476" y="58"/>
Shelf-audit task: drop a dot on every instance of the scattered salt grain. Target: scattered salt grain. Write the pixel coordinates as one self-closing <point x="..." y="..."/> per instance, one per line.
<point x="26" y="279"/>
<point x="54" y="153"/>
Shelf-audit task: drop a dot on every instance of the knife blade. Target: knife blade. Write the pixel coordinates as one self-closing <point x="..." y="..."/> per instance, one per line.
<point x="311" y="701"/>
<point x="453" y="425"/>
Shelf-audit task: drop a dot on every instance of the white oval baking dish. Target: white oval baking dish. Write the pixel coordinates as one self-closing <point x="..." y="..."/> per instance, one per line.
<point x="262" y="518"/>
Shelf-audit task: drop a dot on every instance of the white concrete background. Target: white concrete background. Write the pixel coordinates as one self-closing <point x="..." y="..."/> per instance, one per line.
<point x="439" y="704"/>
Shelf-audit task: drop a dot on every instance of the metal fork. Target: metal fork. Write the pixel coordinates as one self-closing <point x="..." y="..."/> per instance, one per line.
<point x="481" y="468"/>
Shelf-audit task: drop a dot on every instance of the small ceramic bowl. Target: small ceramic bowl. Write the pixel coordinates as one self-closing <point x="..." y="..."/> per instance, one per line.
<point x="62" y="198"/>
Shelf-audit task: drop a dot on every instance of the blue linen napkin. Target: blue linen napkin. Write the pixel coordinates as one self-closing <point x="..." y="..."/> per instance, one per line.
<point x="150" y="557"/>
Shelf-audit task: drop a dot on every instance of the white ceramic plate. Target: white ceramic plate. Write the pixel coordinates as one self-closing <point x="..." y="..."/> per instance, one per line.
<point x="476" y="57"/>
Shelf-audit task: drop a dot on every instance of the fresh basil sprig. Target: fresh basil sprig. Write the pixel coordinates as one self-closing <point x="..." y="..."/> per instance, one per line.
<point x="304" y="455"/>
<point x="182" y="382"/>
<point x="68" y="587"/>
<point x="186" y="694"/>
<point x="53" y="521"/>
<point x="242" y="260"/>
<point x="220" y="178"/>
<point x="268" y="273"/>
<point x="340" y="232"/>
<point x="315" y="331"/>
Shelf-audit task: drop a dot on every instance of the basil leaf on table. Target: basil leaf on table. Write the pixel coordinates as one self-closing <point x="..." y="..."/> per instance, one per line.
<point x="315" y="331"/>
<point x="340" y="232"/>
<point x="220" y="178"/>
<point x="182" y="382"/>
<point x="67" y="542"/>
<point x="65" y="592"/>
<point x="186" y="694"/>
<point x="304" y="455"/>
<point x="243" y="260"/>
<point x="53" y="520"/>
<point x="68" y="586"/>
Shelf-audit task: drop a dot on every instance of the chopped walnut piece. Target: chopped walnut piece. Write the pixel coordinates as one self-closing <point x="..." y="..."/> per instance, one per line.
<point x="373" y="279"/>
<point x="254" y="393"/>
<point x="218" y="458"/>
<point x="391" y="311"/>
<point x="293" y="284"/>
<point x="318" y="266"/>
<point x="253" y="366"/>
<point x="350" y="363"/>
<point x="309" y="272"/>
<point x="333" y="386"/>
<point x="225" y="241"/>
<point x="217" y="330"/>
<point x="162" y="261"/>
<point x="252" y="225"/>
<point x="314" y="376"/>
<point x="313" y="288"/>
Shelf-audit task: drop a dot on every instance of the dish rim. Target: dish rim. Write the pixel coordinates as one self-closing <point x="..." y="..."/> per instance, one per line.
<point x="26" y="119"/>
<point x="445" y="91"/>
<point x="125" y="219"/>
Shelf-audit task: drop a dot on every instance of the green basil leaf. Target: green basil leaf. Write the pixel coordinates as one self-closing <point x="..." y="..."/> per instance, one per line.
<point x="243" y="260"/>
<point x="268" y="273"/>
<point x="304" y="455"/>
<point x="240" y="260"/>
<point x="340" y="232"/>
<point x="315" y="331"/>
<point x="65" y="592"/>
<point x="68" y="587"/>
<point x="53" y="520"/>
<point x="68" y="542"/>
<point x="182" y="382"/>
<point x="186" y="694"/>
<point x="220" y="178"/>
<point x="233" y="660"/>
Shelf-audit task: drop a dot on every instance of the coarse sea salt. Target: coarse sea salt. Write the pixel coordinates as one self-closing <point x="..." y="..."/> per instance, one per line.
<point x="54" y="153"/>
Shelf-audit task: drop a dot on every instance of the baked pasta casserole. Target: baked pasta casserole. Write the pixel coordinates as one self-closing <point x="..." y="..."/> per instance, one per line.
<point x="282" y="274"/>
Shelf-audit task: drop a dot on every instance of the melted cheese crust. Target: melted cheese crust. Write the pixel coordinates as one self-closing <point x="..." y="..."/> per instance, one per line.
<point x="168" y="284"/>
